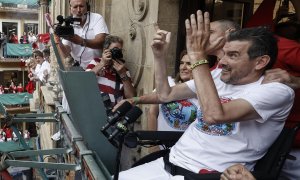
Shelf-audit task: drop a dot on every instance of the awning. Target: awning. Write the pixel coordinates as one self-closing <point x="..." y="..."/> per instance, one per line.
<point x="15" y="99"/>
<point x="19" y="49"/>
<point x="27" y="2"/>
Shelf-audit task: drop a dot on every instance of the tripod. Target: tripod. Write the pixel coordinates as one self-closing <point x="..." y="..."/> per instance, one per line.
<point x="118" y="156"/>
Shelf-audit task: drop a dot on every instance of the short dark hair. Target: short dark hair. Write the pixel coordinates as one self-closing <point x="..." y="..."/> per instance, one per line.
<point x="46" y="52"/>
<point x="263" y="42"/>
<point x="37" y="53"/>
<point x="112" y="39"/>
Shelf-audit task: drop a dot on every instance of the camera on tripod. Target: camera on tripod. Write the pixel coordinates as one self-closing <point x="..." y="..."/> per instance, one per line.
<point x="64" y="28"/>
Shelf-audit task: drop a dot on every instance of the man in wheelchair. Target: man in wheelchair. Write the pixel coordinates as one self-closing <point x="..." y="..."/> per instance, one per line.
<point x="238" y="118"/>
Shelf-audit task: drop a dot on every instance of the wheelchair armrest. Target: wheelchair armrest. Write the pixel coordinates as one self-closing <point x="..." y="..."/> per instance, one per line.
<point x="166" y="138"/>
<point x="159" y="135"/>
<point x="212" y="176"/>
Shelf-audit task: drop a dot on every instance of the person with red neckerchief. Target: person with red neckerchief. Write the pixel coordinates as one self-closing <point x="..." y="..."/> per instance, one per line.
<point x="286" y="69"/>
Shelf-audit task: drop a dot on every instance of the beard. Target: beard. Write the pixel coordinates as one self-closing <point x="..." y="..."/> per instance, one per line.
<point x="82" y="17"/>
<point x="226" y="75"/>
<point x="236" y="77"/>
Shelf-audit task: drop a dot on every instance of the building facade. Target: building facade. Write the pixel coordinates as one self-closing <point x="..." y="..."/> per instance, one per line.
<point x="16" y="17"/>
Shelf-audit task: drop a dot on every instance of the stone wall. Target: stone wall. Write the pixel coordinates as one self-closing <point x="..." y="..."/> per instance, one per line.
<point x="133" y="20"/>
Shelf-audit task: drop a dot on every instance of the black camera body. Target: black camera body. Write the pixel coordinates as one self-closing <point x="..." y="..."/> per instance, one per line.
<point x="64" y="31"/>
<point x="116" y="53"/>
<point x="67" y="29"/>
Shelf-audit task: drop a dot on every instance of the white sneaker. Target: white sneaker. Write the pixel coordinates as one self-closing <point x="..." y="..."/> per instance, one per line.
<point x="56" y="136"/>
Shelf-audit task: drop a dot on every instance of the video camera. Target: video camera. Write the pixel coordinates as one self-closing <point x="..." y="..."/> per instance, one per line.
<point x="67" y="29"/>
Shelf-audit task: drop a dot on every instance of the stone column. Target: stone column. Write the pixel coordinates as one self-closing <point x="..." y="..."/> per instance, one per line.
<point x="22" y="27"/>
<point x="42" y="21"/>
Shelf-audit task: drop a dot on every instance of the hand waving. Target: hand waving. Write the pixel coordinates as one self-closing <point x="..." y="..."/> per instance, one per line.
<point x="197" y="35"/>
<point x="160" y="43"/>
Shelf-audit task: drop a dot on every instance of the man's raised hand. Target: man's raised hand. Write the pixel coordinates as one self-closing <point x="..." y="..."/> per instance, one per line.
<point x="160" y="42"/>
<point x="197" y="35"/>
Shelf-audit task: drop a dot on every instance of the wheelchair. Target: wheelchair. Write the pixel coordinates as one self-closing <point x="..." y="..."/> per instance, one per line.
<point x="268" y="167"/>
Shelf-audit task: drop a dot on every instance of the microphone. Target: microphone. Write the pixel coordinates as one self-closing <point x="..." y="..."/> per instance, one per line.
<point x="129" y="118"/>
<point x="60" y="19"/>
<point x="113" y="118"/>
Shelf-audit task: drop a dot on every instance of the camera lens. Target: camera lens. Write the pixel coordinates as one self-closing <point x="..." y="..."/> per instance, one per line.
<point x="116" y="53"/>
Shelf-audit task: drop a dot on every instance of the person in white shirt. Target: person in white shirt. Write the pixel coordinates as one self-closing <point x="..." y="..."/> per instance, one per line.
<point x="89" y="35"/>
<point x="31" y="37"/>
<point x="176" y="115"/>
<point x="43" y="70"/>
<point x="238" y="117"/>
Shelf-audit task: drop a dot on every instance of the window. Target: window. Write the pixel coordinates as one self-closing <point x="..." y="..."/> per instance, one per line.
<point x="9" y="27"/>
<point x="31" y="27"/>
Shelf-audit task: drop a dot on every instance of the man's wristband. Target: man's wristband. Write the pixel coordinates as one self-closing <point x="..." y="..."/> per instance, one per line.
<point x="198" y="63"/>
<point x="135" y="100"/>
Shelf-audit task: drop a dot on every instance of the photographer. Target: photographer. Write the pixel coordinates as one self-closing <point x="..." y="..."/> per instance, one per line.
<point x="112" y="75"/>
<point x="87" y="41"/>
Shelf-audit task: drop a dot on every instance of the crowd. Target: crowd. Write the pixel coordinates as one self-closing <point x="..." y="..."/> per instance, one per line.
<point x="13" y="38"/>
<point x="7" y="134"/>
<point x="38" y="69"/>
<point x="26" y="38"/>
<point x="228" y="104"/>
<point x="38" y="42"/>
<point x="40" y="46"/>
<point x="11" y="88"/>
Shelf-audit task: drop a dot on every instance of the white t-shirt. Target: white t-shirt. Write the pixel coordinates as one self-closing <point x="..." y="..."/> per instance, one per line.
<point x="176" y="115"/>
<point x="36" y="70"/>
<point x="217" y="147"/>
<point x="45" y="66"/>
<point x="31" y="39"/>
<point x="94" y="25"/>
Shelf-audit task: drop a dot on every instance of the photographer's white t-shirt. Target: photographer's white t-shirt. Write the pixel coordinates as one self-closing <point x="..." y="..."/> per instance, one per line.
<point x="94" y="25"/>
